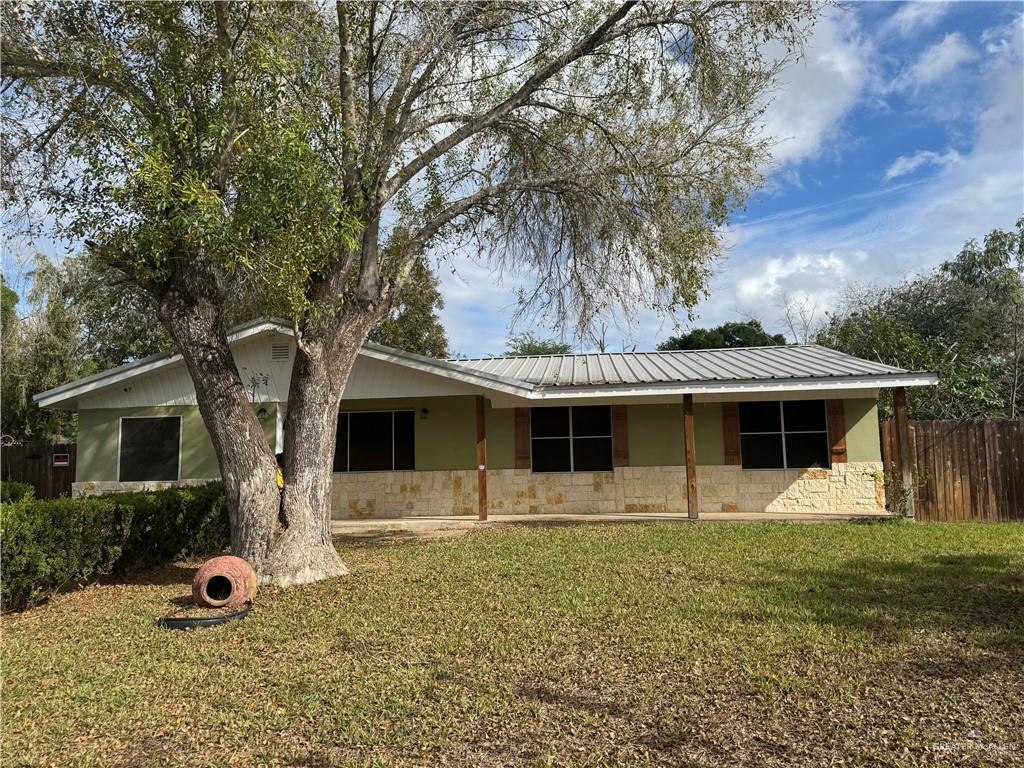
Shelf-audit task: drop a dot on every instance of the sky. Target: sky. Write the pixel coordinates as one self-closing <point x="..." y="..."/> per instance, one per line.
<point x="898" y="137"/>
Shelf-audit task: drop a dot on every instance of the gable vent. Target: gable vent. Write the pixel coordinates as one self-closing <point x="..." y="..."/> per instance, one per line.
<point x="279" y="350"/>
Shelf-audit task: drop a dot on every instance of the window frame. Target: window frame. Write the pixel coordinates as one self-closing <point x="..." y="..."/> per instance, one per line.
<point x="348" y="441"/>
<point x="782" y="437"/>
<point x="181" y="436"/>
<point x="572" y="446"/>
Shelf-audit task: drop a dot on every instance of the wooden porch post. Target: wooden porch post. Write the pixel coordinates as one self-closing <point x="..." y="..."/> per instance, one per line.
<point x="481" y="457"/>
<point x="691" y="458"/>
<point x="899" y="405"/>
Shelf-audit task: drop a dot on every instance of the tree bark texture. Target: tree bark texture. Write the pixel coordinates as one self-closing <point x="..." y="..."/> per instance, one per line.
<point x="286" y="543"/>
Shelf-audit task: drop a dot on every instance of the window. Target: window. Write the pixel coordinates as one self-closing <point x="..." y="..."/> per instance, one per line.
<point x="149" y="448"/>
<point x="571" y="439"/>
<point x="792" y="434"/>
<point x="375" y="441"/>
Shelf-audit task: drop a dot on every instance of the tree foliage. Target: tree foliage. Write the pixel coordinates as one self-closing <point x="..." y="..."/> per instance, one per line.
<point x="413" y="323"/>
<point x="963" y="320"/>
<point x="528" y="344"/>
<point x="82" y="317"/>
<point x="748" y="333"/>
<point x="302" y="163"/>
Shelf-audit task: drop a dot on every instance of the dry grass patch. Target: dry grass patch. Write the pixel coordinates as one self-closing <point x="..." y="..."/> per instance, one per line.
<point x="580" y="645"/>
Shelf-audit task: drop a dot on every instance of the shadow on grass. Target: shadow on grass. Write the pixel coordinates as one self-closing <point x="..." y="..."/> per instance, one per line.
<point x="972" y="593"/>
<point x="180" y="573"/>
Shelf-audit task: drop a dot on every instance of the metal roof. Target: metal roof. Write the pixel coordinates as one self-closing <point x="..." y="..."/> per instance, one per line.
<point x="715" y="371"/>
<point x="808" y="361"/>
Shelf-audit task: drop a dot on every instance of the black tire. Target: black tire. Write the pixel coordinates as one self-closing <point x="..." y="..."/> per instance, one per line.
<point x="195" y="622"/>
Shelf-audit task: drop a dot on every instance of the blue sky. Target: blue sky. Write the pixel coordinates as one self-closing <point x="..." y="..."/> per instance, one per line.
<point x="899" y="136"/>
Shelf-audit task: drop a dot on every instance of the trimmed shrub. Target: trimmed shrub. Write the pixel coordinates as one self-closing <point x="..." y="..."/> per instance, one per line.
<point x="12" y="491"/>
<point x="50" y="545"/>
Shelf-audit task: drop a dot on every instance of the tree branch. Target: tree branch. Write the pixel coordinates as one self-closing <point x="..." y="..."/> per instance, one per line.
<point x="582" y="48"/>
<point x="349" y="166"/>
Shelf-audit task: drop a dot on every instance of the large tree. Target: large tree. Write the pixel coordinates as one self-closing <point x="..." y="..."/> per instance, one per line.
<point x="306" y="160"/>
<point x="963" y="319"/>
<point x="413" y="323"/>
<point x="746" y="333"/>
<point x="528" y="344"/>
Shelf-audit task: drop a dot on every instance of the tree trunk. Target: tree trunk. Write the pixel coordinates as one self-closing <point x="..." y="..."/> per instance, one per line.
<point x="247" y="465"/>
<point x="286" y="537"/>
<point x="302" y="551"/>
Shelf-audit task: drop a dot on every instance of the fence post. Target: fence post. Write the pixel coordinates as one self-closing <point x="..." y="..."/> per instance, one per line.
<point x="899" y="404"/>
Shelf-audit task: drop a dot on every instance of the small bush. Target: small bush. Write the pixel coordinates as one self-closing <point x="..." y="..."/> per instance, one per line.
<point x="49" y="545"/>
<point x="11" y="491"/>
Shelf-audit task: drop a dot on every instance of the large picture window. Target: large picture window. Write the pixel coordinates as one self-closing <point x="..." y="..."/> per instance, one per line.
<point x="791" y="434"/>
<point x="375" y="441"/>
<point x="149" y="448"/>
<point x="571" y="439"/>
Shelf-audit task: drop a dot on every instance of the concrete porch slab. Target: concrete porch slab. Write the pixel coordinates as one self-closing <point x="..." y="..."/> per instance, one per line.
<point x="441" y="524"/>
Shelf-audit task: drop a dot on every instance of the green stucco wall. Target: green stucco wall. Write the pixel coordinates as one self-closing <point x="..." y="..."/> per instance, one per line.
<point x="501" y="438"/>
<point x="656" y="434"/>
<point x="98" y="440"/>
<point x="862" y="443"/>
<point x="445" y="438"/>
<point x="446" y="435"/>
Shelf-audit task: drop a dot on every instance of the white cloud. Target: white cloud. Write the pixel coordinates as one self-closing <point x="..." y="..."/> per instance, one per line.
<point x="912" y="18"/>
<point x="884" y="235"/>
<point x="906" y="164"/>
<point x="875" y="237"/>
<point x="936" y="63"/>
<point x="818" y="91"/>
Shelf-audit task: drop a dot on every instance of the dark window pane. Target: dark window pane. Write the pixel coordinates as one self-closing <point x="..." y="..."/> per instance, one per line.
<point x="341" y="444"/>
<point x="549" y="422"/>
<point x="551" y="455"/>
<point x="405" y="440"/>
<point x="591" y="420"/>
<point x="761" y="451"/>
<point x="804" y="415"/>
<point x="592" y="454"/>
<point x="760" y="417"/>
<point x="369" y="441"/>
<point x="803" y="451"/>
<point x="149" y="448"/>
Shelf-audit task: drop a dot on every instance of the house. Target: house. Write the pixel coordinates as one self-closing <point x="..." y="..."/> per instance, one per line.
<point x="769" y="429"/>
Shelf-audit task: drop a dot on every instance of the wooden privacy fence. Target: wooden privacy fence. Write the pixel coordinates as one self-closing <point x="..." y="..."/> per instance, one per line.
<point x="963" y="470"/>
<point x="48" y="468"/>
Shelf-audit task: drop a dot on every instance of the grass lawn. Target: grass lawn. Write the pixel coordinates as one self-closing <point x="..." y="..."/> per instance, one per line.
<point x="692" y="645"/>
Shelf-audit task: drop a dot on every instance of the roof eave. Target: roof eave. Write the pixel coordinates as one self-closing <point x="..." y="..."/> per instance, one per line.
<point x="816" y="384"/>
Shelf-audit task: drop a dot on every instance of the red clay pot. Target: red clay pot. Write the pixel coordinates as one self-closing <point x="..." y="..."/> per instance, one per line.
<point x="225" y="581"/>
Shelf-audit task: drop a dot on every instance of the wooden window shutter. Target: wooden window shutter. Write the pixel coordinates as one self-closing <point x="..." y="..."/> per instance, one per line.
<point x="522" y="438"/>
<point x="620" y="436"/>
<point x="731" y="432"/>
<point x="836" y="414"/>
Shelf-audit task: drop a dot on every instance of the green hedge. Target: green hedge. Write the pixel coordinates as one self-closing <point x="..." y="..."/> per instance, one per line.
<point x="49" y="545"/>
<point x="12" y="491"/>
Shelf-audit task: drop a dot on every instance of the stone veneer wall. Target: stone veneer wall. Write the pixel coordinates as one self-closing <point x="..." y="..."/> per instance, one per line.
<point x="99" y="487"/>
<point x="845" y="488"/>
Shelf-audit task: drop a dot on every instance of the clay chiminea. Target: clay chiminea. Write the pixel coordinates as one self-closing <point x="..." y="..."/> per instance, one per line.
<point x="224" y="582"/>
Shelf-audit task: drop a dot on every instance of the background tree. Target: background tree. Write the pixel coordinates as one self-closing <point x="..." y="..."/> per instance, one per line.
<point x="748" y="333"/>
<point x="39" y="352"/>
<point x="413" y="323"/>
<point x="528" y="344"/>
<point x="306" y="163"/>
<point x="964" y="320"/>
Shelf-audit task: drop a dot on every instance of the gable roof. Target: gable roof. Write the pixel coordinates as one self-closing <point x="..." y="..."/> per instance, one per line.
<point x="722" y="371"/>
<point x="68" y="393"/>
<point x="735" y="364"/>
